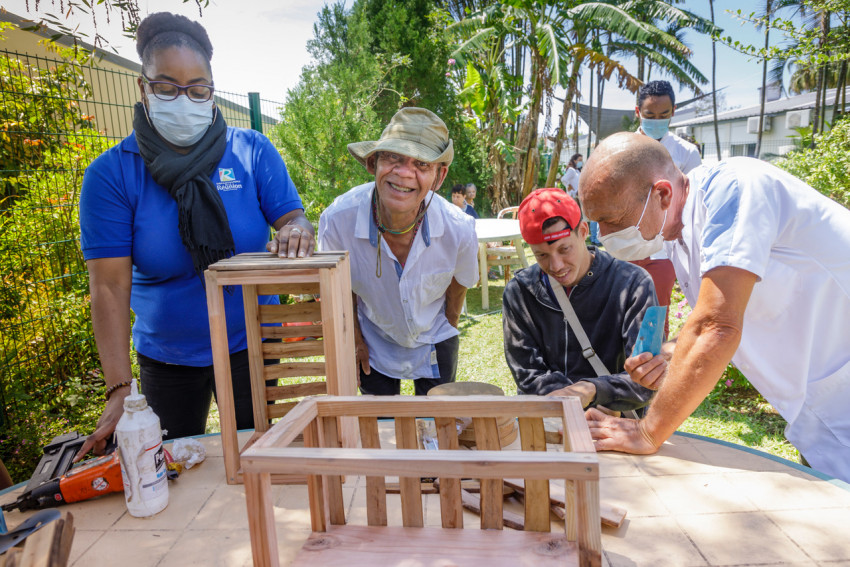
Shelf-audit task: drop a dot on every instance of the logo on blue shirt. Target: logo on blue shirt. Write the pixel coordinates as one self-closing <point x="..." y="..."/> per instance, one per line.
<point x="228" y="180"/>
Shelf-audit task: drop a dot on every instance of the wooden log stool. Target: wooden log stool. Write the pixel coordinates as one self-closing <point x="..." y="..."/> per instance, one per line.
<point x="507" y="425"/>
<point x="329" y="320"/>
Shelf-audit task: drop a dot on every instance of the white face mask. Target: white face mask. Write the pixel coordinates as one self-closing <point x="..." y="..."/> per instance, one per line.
<point x="629" y="244"/>
<point x="180" y="121"/>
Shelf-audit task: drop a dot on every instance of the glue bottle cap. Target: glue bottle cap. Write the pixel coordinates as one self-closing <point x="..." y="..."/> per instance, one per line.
<point x="135" y="401"/>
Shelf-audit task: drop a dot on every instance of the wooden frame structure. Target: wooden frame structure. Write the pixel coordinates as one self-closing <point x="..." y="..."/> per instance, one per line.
<point x="334" y="542"/>
<point x="331" y="319"/>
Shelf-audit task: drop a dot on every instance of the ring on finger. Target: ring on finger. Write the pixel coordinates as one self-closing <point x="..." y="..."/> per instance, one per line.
<point x="295" y="231"/>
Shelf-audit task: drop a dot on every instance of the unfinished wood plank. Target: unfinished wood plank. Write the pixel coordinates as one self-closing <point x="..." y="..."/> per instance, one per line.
<point x="289" y="427"/>
<point x="576" y="434"/>
<point x="441" y="406"/>
<point x="292" y="313"/>
<point x="376" y="492"/>
<point x="280" y="409"/>
<point x="290" y="391"/>
<point x="533" y="438"/>
<point x="293" y="332"/>
<point x="451" y="505"/>
<point x="255" y="357"/>
<point x="293" y="350"/>
<point x="415" y="463"/>
<point x="315" y="485"/>
<point x="260" y="505"/>
<point x="589" y="538"/>
<point x="357" y="546"/>
<point x="333" y="483"/>
<point x="67" y="539"/>
<point x="472" y="502"/>
<point x="411" y="496"/>
<point x="293" y="369"/>
<point x="487" y="439"/>
<point x="609" y="514"/>
<point x="221" y="370"/>
<point x="288" y="288"/>
<point x="12" y="557"/>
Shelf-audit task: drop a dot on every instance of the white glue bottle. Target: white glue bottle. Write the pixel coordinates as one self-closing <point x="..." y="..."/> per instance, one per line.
<point x="142" y="459"/>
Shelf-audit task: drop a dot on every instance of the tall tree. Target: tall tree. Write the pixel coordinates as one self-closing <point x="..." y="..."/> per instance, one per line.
<point x="714" y="84"/>
<point x="768" y="12"/>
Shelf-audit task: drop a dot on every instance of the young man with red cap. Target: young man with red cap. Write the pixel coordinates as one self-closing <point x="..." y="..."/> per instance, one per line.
<point x="574" y="285"/>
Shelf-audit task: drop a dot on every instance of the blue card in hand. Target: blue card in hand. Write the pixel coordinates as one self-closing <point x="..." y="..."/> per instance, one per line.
<point x="651" y="333"/>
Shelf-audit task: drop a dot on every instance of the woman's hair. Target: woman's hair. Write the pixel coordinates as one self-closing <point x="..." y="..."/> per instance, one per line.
<point x="574" y="159"/>
<point x="164" y="29"/>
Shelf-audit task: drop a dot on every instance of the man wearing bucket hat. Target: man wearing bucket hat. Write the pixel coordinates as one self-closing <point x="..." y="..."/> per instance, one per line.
<point x="413" y="255"/>
<point x="609" y="297"/>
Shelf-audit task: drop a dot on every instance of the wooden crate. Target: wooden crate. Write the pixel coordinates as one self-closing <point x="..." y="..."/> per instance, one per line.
<point x="333" y="542"/>
<point x="330" y="319"/>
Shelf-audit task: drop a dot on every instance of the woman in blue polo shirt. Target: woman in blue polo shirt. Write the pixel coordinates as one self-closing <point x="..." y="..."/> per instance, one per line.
<point x="181" y="192"/>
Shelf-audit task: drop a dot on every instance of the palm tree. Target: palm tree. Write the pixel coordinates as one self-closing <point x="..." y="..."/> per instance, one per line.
<point x="768" y="12"/>
<point x="714" y="83"/>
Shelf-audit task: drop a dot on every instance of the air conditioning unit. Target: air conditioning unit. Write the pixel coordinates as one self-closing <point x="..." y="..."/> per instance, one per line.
<point x="753" y="125"/>
<point x="797" y="118"/>
<point x="684" y="130"/>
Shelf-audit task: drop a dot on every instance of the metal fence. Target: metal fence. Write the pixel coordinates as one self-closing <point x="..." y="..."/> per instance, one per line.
<point x="56" y="116"/>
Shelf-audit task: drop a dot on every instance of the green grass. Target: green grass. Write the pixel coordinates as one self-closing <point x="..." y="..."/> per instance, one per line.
<point x="737" y="414"/>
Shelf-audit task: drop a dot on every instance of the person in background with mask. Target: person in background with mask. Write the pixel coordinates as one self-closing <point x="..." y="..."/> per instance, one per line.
<point x="656" y="106"/>
<point x="182" y="191"/>
<point x="763" y="258"/>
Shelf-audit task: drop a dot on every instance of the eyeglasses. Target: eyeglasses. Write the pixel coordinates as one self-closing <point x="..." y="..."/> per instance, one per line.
<point x="163" y="90"/>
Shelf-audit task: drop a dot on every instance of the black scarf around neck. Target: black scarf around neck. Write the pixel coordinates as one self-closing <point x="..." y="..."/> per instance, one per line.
<point x="202" y="220"/>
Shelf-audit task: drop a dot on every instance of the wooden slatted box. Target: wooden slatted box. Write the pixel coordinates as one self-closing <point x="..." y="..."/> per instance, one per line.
<point x="329" y="320"/>
<point x="334" y="542"/>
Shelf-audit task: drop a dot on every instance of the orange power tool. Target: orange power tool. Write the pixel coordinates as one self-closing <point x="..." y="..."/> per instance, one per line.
<point x="55" y="482"/>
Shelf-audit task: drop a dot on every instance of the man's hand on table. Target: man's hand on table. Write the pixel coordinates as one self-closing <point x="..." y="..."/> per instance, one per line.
<point x="585" y="391"/>
<point x="105" y="425"/>
<point x="619" y="434"/>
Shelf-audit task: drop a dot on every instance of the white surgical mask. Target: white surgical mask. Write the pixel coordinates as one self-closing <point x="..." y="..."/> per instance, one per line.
<point x="579" y="164"/>
<point x="655" y="128"/>
<point x="180" y="121"/>
<point x="629" y="244"/>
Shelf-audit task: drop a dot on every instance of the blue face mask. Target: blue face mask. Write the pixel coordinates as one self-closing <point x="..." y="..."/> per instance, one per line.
<point x="579" y="164"/>
<point x="655" y="128"/>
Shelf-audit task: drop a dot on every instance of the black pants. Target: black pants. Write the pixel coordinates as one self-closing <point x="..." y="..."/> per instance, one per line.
<point x="181" y="395"/>
<point x="378" y="384"/>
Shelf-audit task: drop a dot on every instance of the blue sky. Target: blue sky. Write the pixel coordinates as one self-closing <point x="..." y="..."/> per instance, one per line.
<point x="260" y="45"/>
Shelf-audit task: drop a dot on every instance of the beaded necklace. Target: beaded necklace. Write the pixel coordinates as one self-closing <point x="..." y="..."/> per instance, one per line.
<point x="420" y="216"/>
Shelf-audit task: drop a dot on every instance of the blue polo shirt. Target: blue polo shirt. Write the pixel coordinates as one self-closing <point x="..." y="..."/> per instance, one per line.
<point x="124" y="212"/>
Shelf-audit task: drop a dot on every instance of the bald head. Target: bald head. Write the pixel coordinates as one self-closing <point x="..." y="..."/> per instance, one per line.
<point x="620" y="172"/>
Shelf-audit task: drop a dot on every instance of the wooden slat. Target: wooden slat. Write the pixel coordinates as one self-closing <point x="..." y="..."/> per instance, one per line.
<point x="376" y="491"/>
<point x="415" y="463"/>
<point x="269" y="261"/>
<point x="411" y="496"/>
<point x="315" y="485"/>
<point x="487" y="439"/>
<point x="287" y="429"/>
<point x="277" y="332"/>
<point x="288" y="288"/>
<point x="258" y="499"/>
<point x="333" y="483"/>
<point x="280" y="409"/>
<point x="472" y="502"/>
<point x="359" y="546"/>
<point x="255" y="357"/>
<point x="451" y="505"/>
<point x="293" y="313"/>
<point x="42" y="546"/>
<point x="221" y="370"/>
<point x="293" y="369"/>
<point x="293" y="350"/>
<point x="576" y="434"/>
<point x="609" y="515"/>
<point x="440" y="406"/>
<point x="533" y="438"/>
<point x="290" y="391"/>
<point x="589" y="533"/>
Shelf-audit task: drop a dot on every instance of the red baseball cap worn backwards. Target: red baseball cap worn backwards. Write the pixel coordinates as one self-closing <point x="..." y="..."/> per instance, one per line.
<point x="542" y="205"/>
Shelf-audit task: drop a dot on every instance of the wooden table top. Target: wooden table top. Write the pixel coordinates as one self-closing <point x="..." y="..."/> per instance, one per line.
<point x="488" y="230"/>
<point x="696" y="502"/>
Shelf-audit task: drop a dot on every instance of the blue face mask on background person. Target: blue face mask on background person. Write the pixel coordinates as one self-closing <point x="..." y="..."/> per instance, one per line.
<point x="180" y="121"/>
<point x="579" y="164"/>
<point x="629" y="244"/>
<point x="655" y="128"/>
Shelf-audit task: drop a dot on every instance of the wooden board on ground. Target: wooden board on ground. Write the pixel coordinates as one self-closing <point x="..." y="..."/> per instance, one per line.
<point x="610" y="515"/>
